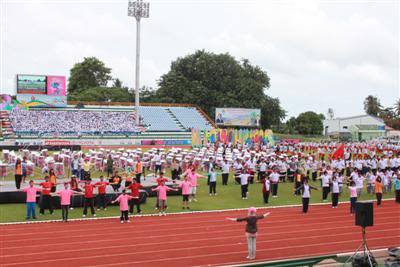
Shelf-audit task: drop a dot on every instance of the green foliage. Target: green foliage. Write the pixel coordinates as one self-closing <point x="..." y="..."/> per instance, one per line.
<point x="290" y="126"/>
<point x="117" y="83"/>
<point x="397" y="107"/>
<point x="271" y="113"/>
<point x="309" y="123"/>
<point x="372" y="105"/>
<point x="103" y="94"/>
<point x="218" y="80"/>
<point x="148" y="95"/>
<point x="89" y="73"/>
<point x="390" y="115"/>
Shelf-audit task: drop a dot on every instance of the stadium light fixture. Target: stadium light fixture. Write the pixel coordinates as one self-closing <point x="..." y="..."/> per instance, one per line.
<point x="138" y="9"/>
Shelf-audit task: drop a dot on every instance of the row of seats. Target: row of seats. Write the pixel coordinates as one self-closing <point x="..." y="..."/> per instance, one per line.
<point x="158" y="119"/>
<point x="190" y="118"/>
<point x="173" y="118"/>
<point x="105" y="122"/>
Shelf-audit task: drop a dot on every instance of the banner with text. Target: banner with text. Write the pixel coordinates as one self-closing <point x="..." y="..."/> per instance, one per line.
<point x="237" y="117"/>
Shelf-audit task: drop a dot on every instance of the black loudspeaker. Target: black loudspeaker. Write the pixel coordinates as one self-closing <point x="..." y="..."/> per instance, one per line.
<point x="365" y="214"/>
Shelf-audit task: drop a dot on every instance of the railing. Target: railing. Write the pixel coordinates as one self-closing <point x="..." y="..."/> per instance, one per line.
<point x="296" y="262"/>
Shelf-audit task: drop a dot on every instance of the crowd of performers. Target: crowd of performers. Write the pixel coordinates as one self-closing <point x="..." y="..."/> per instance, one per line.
<point x="371" y="168"/>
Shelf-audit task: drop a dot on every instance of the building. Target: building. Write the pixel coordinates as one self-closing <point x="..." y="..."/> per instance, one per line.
<point x="392" y="133"/>
<point x="356" y="128"/>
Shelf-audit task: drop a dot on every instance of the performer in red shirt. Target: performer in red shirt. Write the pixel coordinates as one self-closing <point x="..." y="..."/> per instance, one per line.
<point x="89" y="200"/>
<point x="101" y="187"/>
<point x="161" y="179"/>
<point x="135" y="201"/>
<point x="46" y="201"/>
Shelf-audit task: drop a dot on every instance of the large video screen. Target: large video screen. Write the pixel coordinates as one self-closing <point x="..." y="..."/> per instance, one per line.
<point x="238" y="117"/>
<point x="31" y="84"/>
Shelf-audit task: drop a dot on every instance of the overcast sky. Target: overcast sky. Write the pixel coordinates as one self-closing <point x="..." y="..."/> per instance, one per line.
<point x="318" y="54"/>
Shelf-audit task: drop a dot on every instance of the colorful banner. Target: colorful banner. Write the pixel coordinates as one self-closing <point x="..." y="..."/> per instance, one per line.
<point x="56" y="85"/>
<point x="238" y="117"/>
<point x="235" y="136"/>
<point x="196" y="140"/>
<point x="7" y="103"/>
<point x="43" y="101"/>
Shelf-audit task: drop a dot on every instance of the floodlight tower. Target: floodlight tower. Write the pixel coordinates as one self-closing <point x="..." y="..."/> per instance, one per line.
<point x="138" y="9"/>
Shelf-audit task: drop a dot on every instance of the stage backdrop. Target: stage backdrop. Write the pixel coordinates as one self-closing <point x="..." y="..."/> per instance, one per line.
<point x="238" y="117"/>
<point x="43" y="101"/>
<point x="31" y="84"/>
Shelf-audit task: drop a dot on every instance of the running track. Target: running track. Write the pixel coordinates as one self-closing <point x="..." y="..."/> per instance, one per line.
<point x="194" y="239"/>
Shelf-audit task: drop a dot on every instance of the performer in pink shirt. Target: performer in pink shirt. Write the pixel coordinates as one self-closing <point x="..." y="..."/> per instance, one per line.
<point x="31" y="200"/>
<point x="185" y="185"/>
<point x="162" y="196"/>
<point x="353" y="197"/>
<point x="65" y="200"/>
<point x="192" y="177"/>
<point x="123" y="200"/>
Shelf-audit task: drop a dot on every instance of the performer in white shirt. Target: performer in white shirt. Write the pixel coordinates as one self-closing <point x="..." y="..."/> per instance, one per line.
<point x="274" y="178"/>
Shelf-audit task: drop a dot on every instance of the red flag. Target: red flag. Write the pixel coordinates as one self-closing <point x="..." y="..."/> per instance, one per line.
<point x="339" y="153"/>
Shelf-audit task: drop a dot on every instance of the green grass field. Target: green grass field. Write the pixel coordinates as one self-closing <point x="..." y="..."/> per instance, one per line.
<point x="229" y="197"/>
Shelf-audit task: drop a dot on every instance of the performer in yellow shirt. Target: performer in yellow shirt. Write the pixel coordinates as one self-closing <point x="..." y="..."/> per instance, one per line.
<point x="86" y="169"/>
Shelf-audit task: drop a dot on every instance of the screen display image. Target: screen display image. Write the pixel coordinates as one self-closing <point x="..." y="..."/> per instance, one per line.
<point x="56" y="85"/>
<point x="31" y="84"/>
<point x="238" y="117"/>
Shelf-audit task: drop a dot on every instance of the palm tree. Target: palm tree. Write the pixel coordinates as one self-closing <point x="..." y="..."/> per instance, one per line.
<point x="372" y="105"/>
<point x="397" y="107"/>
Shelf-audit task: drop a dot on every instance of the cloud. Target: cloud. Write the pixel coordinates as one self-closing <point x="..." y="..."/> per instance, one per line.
<point x="319" y="54"/>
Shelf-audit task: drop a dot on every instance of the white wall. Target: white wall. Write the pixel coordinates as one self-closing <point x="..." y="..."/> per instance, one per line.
<point x="340" y="124"/>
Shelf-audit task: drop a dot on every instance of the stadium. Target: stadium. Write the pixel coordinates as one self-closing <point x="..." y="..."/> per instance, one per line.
<point x="209" y="166"/>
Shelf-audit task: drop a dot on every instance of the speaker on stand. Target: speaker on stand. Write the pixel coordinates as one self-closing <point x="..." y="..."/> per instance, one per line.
<point x="364" y="218"/>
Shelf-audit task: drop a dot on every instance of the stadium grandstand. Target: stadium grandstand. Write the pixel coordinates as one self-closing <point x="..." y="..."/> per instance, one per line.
<point x="102" y="121"/>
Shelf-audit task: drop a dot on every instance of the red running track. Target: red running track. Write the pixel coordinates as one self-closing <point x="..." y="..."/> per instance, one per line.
<point x="194" y="239"/>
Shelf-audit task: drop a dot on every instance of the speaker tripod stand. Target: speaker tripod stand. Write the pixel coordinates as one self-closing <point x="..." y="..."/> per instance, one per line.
<point x="366" y="252"/>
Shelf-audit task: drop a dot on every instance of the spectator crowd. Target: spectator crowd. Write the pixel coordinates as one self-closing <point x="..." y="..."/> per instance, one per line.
<point x="78" y="122"/>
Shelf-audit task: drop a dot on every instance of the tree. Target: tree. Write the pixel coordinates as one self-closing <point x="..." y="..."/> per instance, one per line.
<point x="271" y="113"/>
<point x="290" y="126"/>
<point x="372" y="105"/>
<point x="387" y="113"/>
<point x="309" y="123"/>
<point x="103" y="94"/>
<point x="89" y="73"/>
<point x="148" y="95"/>
<point x="218" y="80"/>
<point x="397" y="107"/>
<point x="117" y="83"/>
